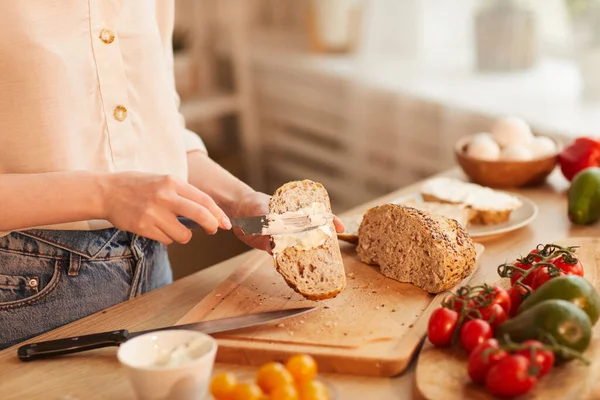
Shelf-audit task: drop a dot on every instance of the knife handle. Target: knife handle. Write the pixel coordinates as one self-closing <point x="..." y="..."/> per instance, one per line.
<point x="188" y="223"/>
<point x="51" y="348"/>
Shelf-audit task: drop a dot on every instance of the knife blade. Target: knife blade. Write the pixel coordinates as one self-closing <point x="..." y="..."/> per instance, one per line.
<point x="272" y="224"/>
<point x="77" y="344"/>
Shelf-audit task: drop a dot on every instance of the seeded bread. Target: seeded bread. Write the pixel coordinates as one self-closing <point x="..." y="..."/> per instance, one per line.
<point x="431" y="251"/>
<point x="454" y="211"/>
<point x="316" y="273"/>
<point x="486" y="206"/>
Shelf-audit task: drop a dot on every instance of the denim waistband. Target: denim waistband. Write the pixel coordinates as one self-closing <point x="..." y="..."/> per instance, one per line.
<point x="97" y="244"/>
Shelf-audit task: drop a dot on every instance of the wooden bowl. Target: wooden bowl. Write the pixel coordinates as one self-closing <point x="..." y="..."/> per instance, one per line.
<point x="504" y="173"/>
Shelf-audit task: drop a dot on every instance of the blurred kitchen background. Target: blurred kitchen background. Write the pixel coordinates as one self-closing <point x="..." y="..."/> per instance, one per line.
<point x="367" y="96"/>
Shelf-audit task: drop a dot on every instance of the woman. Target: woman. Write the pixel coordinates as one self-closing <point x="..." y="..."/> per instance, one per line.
<point x="95" y="161"/>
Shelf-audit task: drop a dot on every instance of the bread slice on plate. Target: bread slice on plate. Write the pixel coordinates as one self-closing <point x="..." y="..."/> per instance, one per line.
<point x="457" y="212"/>
<point x="310" y="262"/>
<point x="487" y="206"/>
<point x="430" y="251"/>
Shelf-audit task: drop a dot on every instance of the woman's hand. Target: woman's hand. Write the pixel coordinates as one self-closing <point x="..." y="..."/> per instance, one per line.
<point x="149" y="204"/>
<point x="257" y="203"/>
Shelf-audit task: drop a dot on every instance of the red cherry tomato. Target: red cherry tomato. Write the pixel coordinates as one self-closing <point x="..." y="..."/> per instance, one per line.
<point x="494" y="314"/>
<point x="541" y="358"/>
<point x="480" y="360"/>
<point x="568" y="269"/>
<point x="517" y="294"/>
<point x="502" y="298"/>
<point x="441" y="326"/>
<point x="541" y="276"/>
<point x="510" y="377"/>
<point x="474" y="332"/>
<point x="517" y="274"/>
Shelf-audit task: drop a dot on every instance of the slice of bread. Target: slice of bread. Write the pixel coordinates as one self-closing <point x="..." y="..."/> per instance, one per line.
<point x="457" y="212"/>
<point x="316" y="273"/>
<point x="486" y="206"/>
<point x="430" y="251"/>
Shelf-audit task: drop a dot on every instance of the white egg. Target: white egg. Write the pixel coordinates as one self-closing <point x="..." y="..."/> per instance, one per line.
<point x="483" y="147"/>
<point x="511" y="131"/>
<point x="542" y="146"/>
<point x="515" y="152"/>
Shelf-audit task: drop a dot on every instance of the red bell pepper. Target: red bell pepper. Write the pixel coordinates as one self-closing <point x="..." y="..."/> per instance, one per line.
<point x="583" y="153"/>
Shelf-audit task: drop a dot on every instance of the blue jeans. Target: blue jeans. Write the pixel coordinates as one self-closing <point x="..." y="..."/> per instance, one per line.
<point x="50" y="278"/>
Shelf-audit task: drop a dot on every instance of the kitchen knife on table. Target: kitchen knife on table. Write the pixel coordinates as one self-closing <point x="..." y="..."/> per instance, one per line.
<point x="273" y="224"/>
<point x="52" y="348"/>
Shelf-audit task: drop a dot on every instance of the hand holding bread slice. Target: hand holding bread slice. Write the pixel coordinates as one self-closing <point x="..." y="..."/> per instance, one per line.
<point x="310" y="262"/>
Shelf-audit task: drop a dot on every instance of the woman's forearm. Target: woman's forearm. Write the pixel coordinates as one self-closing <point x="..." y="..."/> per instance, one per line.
<point x="216" y="181"/>
<point x="28" y="200"/>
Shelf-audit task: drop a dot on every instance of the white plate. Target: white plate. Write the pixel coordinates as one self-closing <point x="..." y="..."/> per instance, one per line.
<point x="519" y="218"/>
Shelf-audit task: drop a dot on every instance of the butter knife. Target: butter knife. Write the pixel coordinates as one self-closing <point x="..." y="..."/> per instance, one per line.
<point x="273" y="224"/>
<point x="77" y="344"/>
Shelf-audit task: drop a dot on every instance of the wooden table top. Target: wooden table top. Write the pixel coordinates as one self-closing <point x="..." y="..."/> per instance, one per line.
<point x="98" y="375"/>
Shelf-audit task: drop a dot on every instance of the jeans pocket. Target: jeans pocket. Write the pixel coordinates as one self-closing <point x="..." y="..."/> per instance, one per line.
<point x="38" y="279"/>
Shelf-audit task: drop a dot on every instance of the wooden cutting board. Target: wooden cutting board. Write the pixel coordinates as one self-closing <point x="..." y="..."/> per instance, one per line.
<point x="442" y="374"/>
<point x="372" y="328"/>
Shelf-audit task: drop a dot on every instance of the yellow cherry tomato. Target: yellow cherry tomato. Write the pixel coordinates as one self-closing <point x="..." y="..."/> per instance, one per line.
<point x="222" y="385"/>
<point x="246" y="391"/>
<point x="285" y="392"/>
<point x="302" y="367"/>
<point x="314" y="390"/>
<point x="273" y="375"/>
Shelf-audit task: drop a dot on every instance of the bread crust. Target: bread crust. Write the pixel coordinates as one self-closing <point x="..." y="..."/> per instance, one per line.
<point x="410" y="245"/>
<point x="324" y="264"/>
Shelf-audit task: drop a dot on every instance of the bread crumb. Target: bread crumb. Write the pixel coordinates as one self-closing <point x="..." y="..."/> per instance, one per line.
<point x="377" y="307"/>
<point x="301" y="321"/>
<point x="393" y="310"/>
<point x="411" y="325"/>
<point x="281" y="325"/>
<point x="218" y="294"/>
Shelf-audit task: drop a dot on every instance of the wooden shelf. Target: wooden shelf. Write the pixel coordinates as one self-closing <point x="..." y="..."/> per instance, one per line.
<point x="195" y="109"/>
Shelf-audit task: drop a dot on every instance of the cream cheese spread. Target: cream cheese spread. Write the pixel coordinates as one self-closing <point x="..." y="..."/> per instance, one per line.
<point x="183" y="353"/>
<point x="476" y="196"/>
<point x="304" y="240"/>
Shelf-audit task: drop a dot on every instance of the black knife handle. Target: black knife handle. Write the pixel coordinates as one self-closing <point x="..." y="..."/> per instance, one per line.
<point x="59" y="347"/>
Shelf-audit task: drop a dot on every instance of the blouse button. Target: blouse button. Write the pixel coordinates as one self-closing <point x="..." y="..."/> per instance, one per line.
<point x="33" y="283"/>
<point x="107" y="36"/>
<point x="120" y="113"/>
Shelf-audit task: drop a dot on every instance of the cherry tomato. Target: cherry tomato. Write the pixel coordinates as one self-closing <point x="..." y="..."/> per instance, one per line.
<point x="517" y="294"/>
<point x="480" y="362"/>
<point x="221" y="386"/>
<point x="441" y="326"/>
<point x="457" y="302"/>
<point x="494" y="314"/>
<point x="510" y="377"/>
<point x="302" y="367"/>
<point x="541" y="276"/>
<point x="501" y="297"/>
<point x="314" y="390"/>
<point x="246" y="391"/>
<point x="285" y="392"/>
<point x="272" y="375"/>
<point x="474" y="332"/>
<point x="517" y="274"/>
<point x="568" y="269"/>
<point x="533" y="257"/>
<point x="541" y="358"/>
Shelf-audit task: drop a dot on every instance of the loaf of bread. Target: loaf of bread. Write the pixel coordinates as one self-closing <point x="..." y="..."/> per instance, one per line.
<point x="310" y="262"/>
<point x="486" y="206"/>
<point x="430" y="251"/>
<point x="457" y="212"/>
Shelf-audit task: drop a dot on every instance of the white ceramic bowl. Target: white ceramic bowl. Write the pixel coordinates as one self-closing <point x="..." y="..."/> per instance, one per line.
<point x="189" y="379"/>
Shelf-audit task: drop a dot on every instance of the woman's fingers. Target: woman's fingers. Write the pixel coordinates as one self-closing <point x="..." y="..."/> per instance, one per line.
<point x="339" y="225"/>
<point x="197" y="213"/>
<point x="199" y="197"/>
<point x="158" y="235"/>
